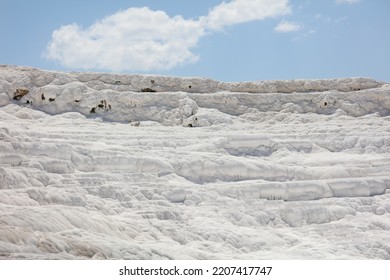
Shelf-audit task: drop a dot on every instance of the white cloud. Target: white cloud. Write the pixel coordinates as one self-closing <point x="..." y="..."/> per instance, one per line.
<point x="139" y="39"/>
<point x="347" y="1"/>
<point x="239" y="11"/>
<point x="287" y="26"/>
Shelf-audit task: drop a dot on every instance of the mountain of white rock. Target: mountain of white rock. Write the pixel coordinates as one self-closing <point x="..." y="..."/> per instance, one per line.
<point x="96" y="165"/>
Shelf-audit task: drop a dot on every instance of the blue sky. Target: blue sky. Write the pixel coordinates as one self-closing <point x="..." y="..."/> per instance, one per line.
<point x="235" y="40"/>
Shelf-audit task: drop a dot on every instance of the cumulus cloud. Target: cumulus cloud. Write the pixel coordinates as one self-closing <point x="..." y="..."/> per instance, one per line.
<point x="139" y="39"/>
<point x="287" y="26"/>
<point x="347" y="1"/>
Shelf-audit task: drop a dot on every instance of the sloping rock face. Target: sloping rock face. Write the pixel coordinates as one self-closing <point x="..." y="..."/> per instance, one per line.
<point x="104" y="166"/>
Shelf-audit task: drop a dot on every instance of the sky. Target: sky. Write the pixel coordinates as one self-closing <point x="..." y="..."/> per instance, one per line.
<point x="231" y="40"/>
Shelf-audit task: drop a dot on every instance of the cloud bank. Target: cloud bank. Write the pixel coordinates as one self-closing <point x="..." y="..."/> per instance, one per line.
<point x="140" y="39"/>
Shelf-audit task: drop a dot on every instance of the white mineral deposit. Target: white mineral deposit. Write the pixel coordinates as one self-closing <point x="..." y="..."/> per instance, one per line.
<point x="109" y="166"/>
